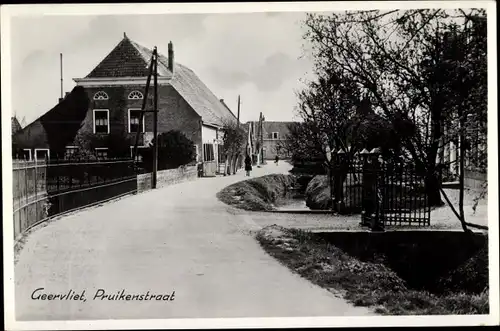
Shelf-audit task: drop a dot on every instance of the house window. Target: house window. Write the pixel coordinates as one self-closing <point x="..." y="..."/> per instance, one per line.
<point x="197" y="151"/>
<point x="42" y="154"/>
<point x="208" y="152"/>
<point x="70" y="151"/>
<point x="135" y="95"/>
<point x="275" y="135"/>
<point x="134" y="116"/>
<point x="101" y="121"/>
<point x="139" y="154"/>
<point x="101" y="152"/>
<point x="26" y="155"/>
<point x="101" y="95"/>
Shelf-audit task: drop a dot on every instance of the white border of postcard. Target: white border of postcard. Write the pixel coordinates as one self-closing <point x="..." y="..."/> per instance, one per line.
<point x="116" y="9"/>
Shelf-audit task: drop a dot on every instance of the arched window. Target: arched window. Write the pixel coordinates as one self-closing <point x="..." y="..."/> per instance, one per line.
<point x="135" y="95"/>
<point x="101" y="95"/>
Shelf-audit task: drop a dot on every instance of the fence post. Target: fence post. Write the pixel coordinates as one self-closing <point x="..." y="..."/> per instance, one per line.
<point x="36" y="191"/>
<point x="377" y="223"/>
<point x="364" y="192"/>
<point x="26" y="194"/>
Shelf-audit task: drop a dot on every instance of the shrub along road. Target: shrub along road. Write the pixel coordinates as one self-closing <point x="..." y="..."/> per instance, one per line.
<point x="179" y="238"/>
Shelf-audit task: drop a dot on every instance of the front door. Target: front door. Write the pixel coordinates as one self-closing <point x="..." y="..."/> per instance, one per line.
<point x="209" y="160"/>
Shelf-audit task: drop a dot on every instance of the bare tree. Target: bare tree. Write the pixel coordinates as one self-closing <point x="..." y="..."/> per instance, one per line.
<point x="396" y="58"/>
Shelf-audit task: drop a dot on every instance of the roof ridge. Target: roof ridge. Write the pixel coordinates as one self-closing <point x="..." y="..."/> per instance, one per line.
<point x="105" y="58"/>
<point x="141" y="48"/>
<point x="136" y="46"/>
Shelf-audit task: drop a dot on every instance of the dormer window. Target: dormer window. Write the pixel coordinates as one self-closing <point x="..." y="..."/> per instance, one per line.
<point x="101" y="95"/>
<point x="135" y="95"/>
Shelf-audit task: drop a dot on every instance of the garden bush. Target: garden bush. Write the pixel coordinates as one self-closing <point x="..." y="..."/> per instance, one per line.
<point x="257" y="193"/>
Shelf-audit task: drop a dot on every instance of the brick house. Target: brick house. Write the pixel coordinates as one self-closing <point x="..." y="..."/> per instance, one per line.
<point x="274" y="134"/>
<point x="115" y="90"/>
<point x="15" y="125"/>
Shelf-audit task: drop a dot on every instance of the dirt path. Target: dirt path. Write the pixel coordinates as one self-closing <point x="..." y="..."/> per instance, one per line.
<point x="179" y="238"/>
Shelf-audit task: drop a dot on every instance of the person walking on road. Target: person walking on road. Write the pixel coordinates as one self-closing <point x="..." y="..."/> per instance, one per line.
<point x="248" y="165"/>
<point x="277" y="159"/>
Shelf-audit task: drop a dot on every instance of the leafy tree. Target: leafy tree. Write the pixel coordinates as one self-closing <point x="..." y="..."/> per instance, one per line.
<point x="117" y="143"/>
<point x="299" y="145"/>
<point x="62" y="123"/>
<point x="174" y="150"/>
<point x="233" y="145"/>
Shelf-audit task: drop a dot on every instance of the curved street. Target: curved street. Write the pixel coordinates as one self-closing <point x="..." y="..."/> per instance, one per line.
<point x="178" y="238"/>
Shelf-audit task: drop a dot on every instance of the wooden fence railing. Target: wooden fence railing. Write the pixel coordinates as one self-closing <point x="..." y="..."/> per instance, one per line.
<point x="45" y="189"/>
<point x="30" y="198"/>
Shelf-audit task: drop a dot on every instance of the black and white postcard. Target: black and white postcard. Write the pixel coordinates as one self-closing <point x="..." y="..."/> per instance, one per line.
<point x="250" y="165"/>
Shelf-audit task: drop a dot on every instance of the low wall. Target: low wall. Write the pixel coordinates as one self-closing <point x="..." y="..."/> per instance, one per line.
<point x="419" y="257"/>
<point x="474" y="179"/>
<point x="167" y="177"/>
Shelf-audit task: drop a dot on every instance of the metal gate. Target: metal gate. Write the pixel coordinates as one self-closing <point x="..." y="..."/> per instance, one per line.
<point x="385" y="194"/>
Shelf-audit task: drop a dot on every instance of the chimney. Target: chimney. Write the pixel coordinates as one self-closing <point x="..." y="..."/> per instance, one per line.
<point x="171" y="57"/>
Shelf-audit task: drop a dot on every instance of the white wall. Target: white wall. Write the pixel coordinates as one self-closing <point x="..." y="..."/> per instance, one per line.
<point x="208" y="134"/>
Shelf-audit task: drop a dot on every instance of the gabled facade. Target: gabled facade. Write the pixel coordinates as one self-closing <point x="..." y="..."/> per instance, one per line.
<point x="273" y="136"/>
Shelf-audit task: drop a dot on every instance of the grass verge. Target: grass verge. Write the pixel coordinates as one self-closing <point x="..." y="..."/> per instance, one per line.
<point x="362" y="283"/>
<point x="257" y="194"/>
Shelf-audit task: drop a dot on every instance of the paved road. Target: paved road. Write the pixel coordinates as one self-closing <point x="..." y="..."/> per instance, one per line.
<point x="179" y="238"/>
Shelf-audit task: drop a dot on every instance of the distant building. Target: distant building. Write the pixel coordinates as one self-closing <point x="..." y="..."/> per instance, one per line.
<point x="115" y="91"/>
<point x="475" y="155"/>
<point x="15" y="126"/>
<point x="274" y="136"/>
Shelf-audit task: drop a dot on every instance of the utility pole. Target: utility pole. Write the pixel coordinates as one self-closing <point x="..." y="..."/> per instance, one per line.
<point x="155" y="120"/>
<point x="143" y="108"/>
<point x="238" y="125"/>
<point x="61" y="64"/>
<point x="262" y="140"/>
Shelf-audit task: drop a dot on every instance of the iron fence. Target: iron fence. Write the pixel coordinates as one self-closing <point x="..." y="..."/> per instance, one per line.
<point x="76" y="183"/>
<point x="384" y="193"/>
<point x="404" y="197"/>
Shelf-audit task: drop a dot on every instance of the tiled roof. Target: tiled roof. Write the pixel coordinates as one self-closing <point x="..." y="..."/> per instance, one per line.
<point x="199" y="97"/>
<point x="268" y="127"/>
<point x="123" y="61"/>
<point x="130" y="59"/>
<point x="147" y="53"/>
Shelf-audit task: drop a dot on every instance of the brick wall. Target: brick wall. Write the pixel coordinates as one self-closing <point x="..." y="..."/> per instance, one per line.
<point x="174" y="111"/>
<point x="167" y="177"/>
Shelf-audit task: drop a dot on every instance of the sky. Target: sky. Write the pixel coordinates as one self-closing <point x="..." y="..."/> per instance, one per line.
<point x="259" y="56"/>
